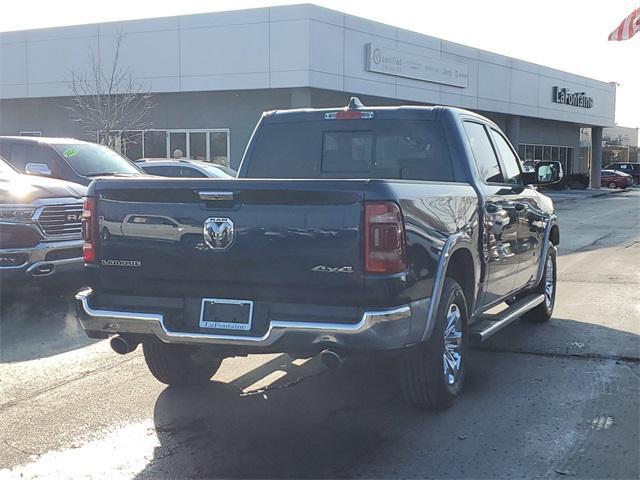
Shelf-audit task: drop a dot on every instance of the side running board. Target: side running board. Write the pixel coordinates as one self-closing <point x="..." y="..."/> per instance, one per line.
<point x="487" y="325"/>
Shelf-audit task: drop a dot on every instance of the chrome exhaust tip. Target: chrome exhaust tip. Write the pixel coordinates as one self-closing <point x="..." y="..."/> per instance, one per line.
<point x="330" y="359"/>
<point x="121" y="345"/>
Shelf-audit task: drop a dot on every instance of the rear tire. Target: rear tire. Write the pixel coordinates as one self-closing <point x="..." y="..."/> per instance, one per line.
<point x="179" y="365"/>
<point x="612" y="186"/>
<point x="432" y="373"/>
<point x="547" y="287"/>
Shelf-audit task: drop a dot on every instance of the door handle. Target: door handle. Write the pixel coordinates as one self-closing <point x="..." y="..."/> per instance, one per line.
<point x="520" y="207"/>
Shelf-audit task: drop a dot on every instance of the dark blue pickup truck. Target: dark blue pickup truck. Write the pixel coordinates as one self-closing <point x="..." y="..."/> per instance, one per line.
<point x="348" y="230"/>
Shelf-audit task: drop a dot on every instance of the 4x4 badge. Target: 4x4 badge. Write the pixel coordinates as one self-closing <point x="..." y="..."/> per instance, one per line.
<point x="325" y="269"/>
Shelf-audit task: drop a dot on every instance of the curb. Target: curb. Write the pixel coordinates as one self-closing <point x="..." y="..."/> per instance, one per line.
<point x="601" y="194"/>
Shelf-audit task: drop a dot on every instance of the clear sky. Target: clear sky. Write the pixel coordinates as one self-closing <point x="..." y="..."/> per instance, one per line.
<point x="570" y="35"/>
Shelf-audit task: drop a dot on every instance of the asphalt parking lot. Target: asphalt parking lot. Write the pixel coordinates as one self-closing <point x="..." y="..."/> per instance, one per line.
<point x="557" y="400"/>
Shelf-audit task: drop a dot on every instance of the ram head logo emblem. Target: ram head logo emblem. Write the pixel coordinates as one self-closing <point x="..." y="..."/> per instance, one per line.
<point x="218" y="233"/>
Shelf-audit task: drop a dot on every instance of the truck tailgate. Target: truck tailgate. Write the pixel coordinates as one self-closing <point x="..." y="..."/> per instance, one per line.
<point x="285" y="233"/>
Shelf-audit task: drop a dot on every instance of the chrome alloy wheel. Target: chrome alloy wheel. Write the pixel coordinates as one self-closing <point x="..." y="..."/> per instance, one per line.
<point x="452" y="356"/>
<point x="549" y="282"/>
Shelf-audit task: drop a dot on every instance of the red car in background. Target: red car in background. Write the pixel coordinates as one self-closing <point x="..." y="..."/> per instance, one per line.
<point x="615" y="179"/>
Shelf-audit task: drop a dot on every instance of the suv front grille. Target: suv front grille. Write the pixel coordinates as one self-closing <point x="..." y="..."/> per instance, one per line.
<point x="61" y="220"/>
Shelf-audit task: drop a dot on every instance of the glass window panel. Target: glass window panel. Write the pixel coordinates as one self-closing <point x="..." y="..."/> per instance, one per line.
<point x="486" y="159"/>
<point x="528" y="154"/>
<point x="521" y="151"/>
<point x="509" y="159"/>
<point x="218" y="148"/>
<point x="350" y="151"/>
<point x="178" y="144"/>
<point x="554" y="153"/>
<point x="191" y="173"/>
<point x="537" y="152"/>
<point x="132" y="144"/>
<point x="198" y="145"/>
<point x="155" y="144"/>
<point x="546" y="153"/>
<point x="562" y="157"/>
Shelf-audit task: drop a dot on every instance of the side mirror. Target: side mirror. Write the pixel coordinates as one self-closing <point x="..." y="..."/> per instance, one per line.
<point x="545" y="173"/>
<point x="37" y="169"/>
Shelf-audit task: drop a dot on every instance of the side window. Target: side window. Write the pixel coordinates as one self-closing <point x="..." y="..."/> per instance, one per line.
<point x="52" y="159"/>
<point x="157" y="170"/>
<point x="486" y="159"/>
<point x="23" y="153"/>
<point x="191" y="172"/>
<point x="509" y="160"/>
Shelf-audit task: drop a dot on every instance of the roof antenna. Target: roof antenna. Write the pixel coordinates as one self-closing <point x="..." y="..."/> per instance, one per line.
<point x="355" y="104"/>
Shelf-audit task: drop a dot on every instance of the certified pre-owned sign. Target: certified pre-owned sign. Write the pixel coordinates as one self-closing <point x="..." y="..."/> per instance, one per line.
<point x="404" y="64"/>
<point x="577" y="99"/>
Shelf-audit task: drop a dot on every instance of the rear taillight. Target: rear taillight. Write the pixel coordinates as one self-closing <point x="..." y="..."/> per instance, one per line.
<point x="89" y="230"/>
<point x="384" y="241"/>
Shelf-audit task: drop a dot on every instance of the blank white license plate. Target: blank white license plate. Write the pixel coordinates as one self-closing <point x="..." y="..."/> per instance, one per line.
<point x="225" y="314"/>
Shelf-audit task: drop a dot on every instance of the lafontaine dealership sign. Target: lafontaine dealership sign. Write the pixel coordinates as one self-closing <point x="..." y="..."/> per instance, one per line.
<point x="578" y="99"/>
<point x="408" y="65"/>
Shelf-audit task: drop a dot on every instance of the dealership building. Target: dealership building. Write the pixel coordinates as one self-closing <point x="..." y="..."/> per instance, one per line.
<point x="213" y="74"/>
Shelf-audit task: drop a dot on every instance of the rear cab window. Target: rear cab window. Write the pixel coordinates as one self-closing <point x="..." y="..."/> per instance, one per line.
<point x="353" y="149"/>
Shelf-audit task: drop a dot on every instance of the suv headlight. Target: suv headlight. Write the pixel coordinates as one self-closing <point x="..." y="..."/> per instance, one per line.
<point x="16" y="213"/>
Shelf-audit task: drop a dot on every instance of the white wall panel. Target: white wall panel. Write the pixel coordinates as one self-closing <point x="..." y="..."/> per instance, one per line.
<point x="326" y="48"/>
<point x="146" y="54"/>
<point x="289" y="45"/>
<point x="369" y="87"/>
<point x="406" y="92"/>
<point x="493" y="82"/>
<point x="13" y="63"/>
<point x="58" y="33"/>
<point x="290" y="79"/>
<point x="228" y="49"/>
<point x="328" y="81"/>
<point x="53" y="60"/>
<point x="524" y="87"/>
<point x="139" y="26"/>
<point x="13" y="91"/>
<point x="218" y="19"/>
<point x="234" y="81"/>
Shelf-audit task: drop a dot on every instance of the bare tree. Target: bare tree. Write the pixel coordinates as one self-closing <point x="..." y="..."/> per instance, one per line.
<point x="108" y="98"/>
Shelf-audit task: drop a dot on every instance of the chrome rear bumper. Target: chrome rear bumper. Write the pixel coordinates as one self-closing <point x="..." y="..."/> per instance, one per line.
<point x="376" y="330"/>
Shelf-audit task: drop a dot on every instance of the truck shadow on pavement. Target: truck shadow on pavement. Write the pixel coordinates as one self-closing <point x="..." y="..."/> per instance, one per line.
<point x="312" y="422"/>
<point x="37" y="323"/>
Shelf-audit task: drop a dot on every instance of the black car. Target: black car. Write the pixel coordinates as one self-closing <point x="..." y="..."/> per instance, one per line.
<point x="65" y="158"/>
<point x="347" y="231"/>
<point x="631" y="168"/>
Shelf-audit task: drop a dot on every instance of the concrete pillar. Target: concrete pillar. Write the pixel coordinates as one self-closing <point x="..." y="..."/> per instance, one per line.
<point x="513" y="131"/>
<point x="596" y="156"/>
<point x="301" y="98"/>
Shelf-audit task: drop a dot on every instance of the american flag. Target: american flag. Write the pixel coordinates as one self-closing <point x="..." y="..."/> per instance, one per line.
<point x="628" y="28"/>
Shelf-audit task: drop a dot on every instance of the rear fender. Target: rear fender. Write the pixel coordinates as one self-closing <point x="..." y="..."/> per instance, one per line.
<point x="454" y="243"/>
